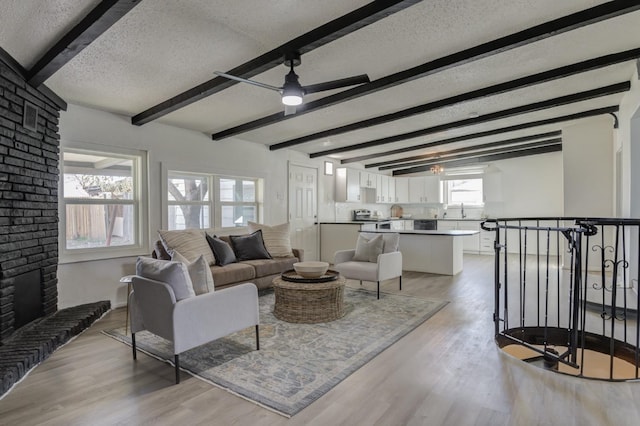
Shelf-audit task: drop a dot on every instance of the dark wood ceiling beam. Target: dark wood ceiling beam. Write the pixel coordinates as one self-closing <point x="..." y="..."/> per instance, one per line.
<point x="100" y="19"/>
<point x="497" y="89"/>
<point x="305" y="43"/>
<point x="511" y="112"/>
<point x="530" y="35"/>
<point x="384" y="165"/>
<point x="449" y="157"/>
<point x="492" y="132"/>
<point x="484" y="159"/>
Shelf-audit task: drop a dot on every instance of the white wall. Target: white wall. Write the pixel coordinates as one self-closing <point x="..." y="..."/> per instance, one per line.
<point x="588" y="153"/>
<point x="531" y="186"/>
<point x="176" y="148"/>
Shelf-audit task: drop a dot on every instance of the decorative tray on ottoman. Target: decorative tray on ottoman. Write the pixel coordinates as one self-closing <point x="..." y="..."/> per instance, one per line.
<point x="292" y="276"/>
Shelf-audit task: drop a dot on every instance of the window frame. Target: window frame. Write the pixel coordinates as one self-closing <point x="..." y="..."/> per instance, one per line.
<point x="215" y="205"/>
<point x="219" y="203"/>
<point x="139" y="203"/>
<point x="446" y="191"/>
<point x="208" y="203"/>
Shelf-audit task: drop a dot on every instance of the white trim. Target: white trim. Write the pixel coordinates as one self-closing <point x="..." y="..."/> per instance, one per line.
<point x="139" y="203"/>
<point x="214" y="203"/>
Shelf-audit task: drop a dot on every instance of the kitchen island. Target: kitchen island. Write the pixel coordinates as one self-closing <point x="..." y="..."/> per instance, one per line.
<point x="436" y="252"/>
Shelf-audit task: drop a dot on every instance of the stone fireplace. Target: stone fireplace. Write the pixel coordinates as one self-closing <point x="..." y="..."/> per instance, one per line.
<point x="29" y="145"/>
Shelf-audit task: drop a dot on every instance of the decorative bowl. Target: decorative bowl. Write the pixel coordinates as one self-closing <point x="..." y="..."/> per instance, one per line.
<point x="311" y="269"/>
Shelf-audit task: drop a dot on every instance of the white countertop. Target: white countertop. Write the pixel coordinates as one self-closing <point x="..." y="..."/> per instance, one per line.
<point x="446" y="233"/>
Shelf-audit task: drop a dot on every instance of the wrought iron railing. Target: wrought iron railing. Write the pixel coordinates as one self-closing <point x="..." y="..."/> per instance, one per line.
<point x="566" y="293"/>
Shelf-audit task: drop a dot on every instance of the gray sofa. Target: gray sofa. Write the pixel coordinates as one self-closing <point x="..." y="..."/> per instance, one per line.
<point x="261" y="272"/>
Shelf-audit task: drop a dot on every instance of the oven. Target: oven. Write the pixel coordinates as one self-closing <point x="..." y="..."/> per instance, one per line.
<point x="383" y="225"/>
<point x="425" y="224"/>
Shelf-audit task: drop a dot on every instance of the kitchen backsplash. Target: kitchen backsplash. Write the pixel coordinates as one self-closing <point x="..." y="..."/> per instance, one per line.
<point x="421" y="211"/>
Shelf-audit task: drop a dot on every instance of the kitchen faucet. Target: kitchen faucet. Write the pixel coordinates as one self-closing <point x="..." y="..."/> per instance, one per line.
<point x="462" y="210"/>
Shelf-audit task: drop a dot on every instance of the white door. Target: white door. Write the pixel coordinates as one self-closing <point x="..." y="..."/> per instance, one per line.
<point x="303" y="209"/>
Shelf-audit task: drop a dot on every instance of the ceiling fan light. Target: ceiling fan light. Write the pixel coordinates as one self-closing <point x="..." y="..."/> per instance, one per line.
<point x="292" y="98"/>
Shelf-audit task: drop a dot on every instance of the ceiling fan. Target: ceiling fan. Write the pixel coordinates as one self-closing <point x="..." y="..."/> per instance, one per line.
<point x="292" y="91"/>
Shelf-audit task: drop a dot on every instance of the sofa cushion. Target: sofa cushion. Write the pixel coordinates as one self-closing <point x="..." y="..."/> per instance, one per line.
<point x="276" y="238"/>
<point x="199" y="272"/>
<point x="265" y="267"/>
<point x="175" y="274"/>
<point x="232" y="273"/>
<point x="249" y="247"/>
<point x="191" y="243"/>
<point x="368" y="248"/>
<point x="222" y="251"/>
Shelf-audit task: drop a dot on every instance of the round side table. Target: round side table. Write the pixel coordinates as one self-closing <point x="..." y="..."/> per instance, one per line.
<point x="309" y="302"/>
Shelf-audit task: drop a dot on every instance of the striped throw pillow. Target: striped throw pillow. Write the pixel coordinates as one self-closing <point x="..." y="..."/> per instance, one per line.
<point x="191" y="243"/>
<point x="276" y="238"/>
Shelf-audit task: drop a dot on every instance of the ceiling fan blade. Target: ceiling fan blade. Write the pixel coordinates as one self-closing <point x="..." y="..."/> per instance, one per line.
<point x="336" y="84"/>
<point x="289" y="109"/>
<point x="244" y="80"/>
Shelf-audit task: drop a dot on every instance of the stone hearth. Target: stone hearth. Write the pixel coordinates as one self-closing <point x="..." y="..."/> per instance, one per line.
<point x="36" y="341"/>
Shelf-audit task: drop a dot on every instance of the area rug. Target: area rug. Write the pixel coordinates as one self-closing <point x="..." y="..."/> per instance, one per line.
<point x="297" y="363"/>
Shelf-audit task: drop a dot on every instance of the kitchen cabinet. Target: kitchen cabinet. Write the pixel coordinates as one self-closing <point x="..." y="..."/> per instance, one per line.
<point x="347" y="185"/>
<point x="402" y="189"/>
<point x="382" y="189"/>
<point x="424" y="189"/>
<point x="368" y="180"/>
<point x="391" y="187"/>
<point x="337" y="236"/>
<point x="470" y="243"/>
<point x="487" y="239"/>
<point x="398" y="225"/>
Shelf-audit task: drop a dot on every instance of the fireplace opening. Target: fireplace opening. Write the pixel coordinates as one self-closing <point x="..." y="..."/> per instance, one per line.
<point x="27" y="298"/>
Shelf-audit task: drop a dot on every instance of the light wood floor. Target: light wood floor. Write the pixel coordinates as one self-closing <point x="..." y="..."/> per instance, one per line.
<point x="446" y="372"/>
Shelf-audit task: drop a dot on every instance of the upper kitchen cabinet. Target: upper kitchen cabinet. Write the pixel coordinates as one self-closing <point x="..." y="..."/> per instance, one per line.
<point x="402" y="189"/>
<point x="424" y="189"/>
<point x="392" y="190"/>
<point x="383" y="190"/>
<point x="368" y="180"/>
<point x="492" y="187"/>
<point x="347" y="185"/>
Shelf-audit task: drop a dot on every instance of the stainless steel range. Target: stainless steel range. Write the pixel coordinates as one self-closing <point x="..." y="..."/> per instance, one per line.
<point x="362" y="214"/>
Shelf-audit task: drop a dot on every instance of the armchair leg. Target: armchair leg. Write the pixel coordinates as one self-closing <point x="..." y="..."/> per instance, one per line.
<point x="378" y="289"/>
<point x="400" y="282"/>
<point x="133" y="345"/>
<point x="177" y="363"/>
<point x="257" y="337"/>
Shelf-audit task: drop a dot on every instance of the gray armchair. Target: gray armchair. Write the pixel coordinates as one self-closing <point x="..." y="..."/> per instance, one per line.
<point x="387" y="266"/>
<point x="193" y="321"/>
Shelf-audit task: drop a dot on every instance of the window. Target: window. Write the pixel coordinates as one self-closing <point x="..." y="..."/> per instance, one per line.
<point x="238" y="201"/>
<point x="198" y="200"/>
<point x="463" y="191"/>
<point x="101" y="204"/>
<point x="189" y="201"/>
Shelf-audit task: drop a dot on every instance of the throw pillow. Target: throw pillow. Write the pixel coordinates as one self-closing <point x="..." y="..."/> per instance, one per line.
<point x="368" y="249"/>
<point x="276" y="238"/>
<point x="199" y="272"/>
<point x="221" y="250"/>
<point x="391" y="240"/>
<point x="191" y="243"/>
<point x="174" y="274"/>
<point x="248" y="247"/>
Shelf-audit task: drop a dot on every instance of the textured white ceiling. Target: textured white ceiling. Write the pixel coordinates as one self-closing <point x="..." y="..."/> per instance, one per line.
<point x="162" y="48"/>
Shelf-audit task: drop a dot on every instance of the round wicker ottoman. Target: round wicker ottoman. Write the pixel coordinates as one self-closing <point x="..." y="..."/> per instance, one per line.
<point x="309" y="302"/>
